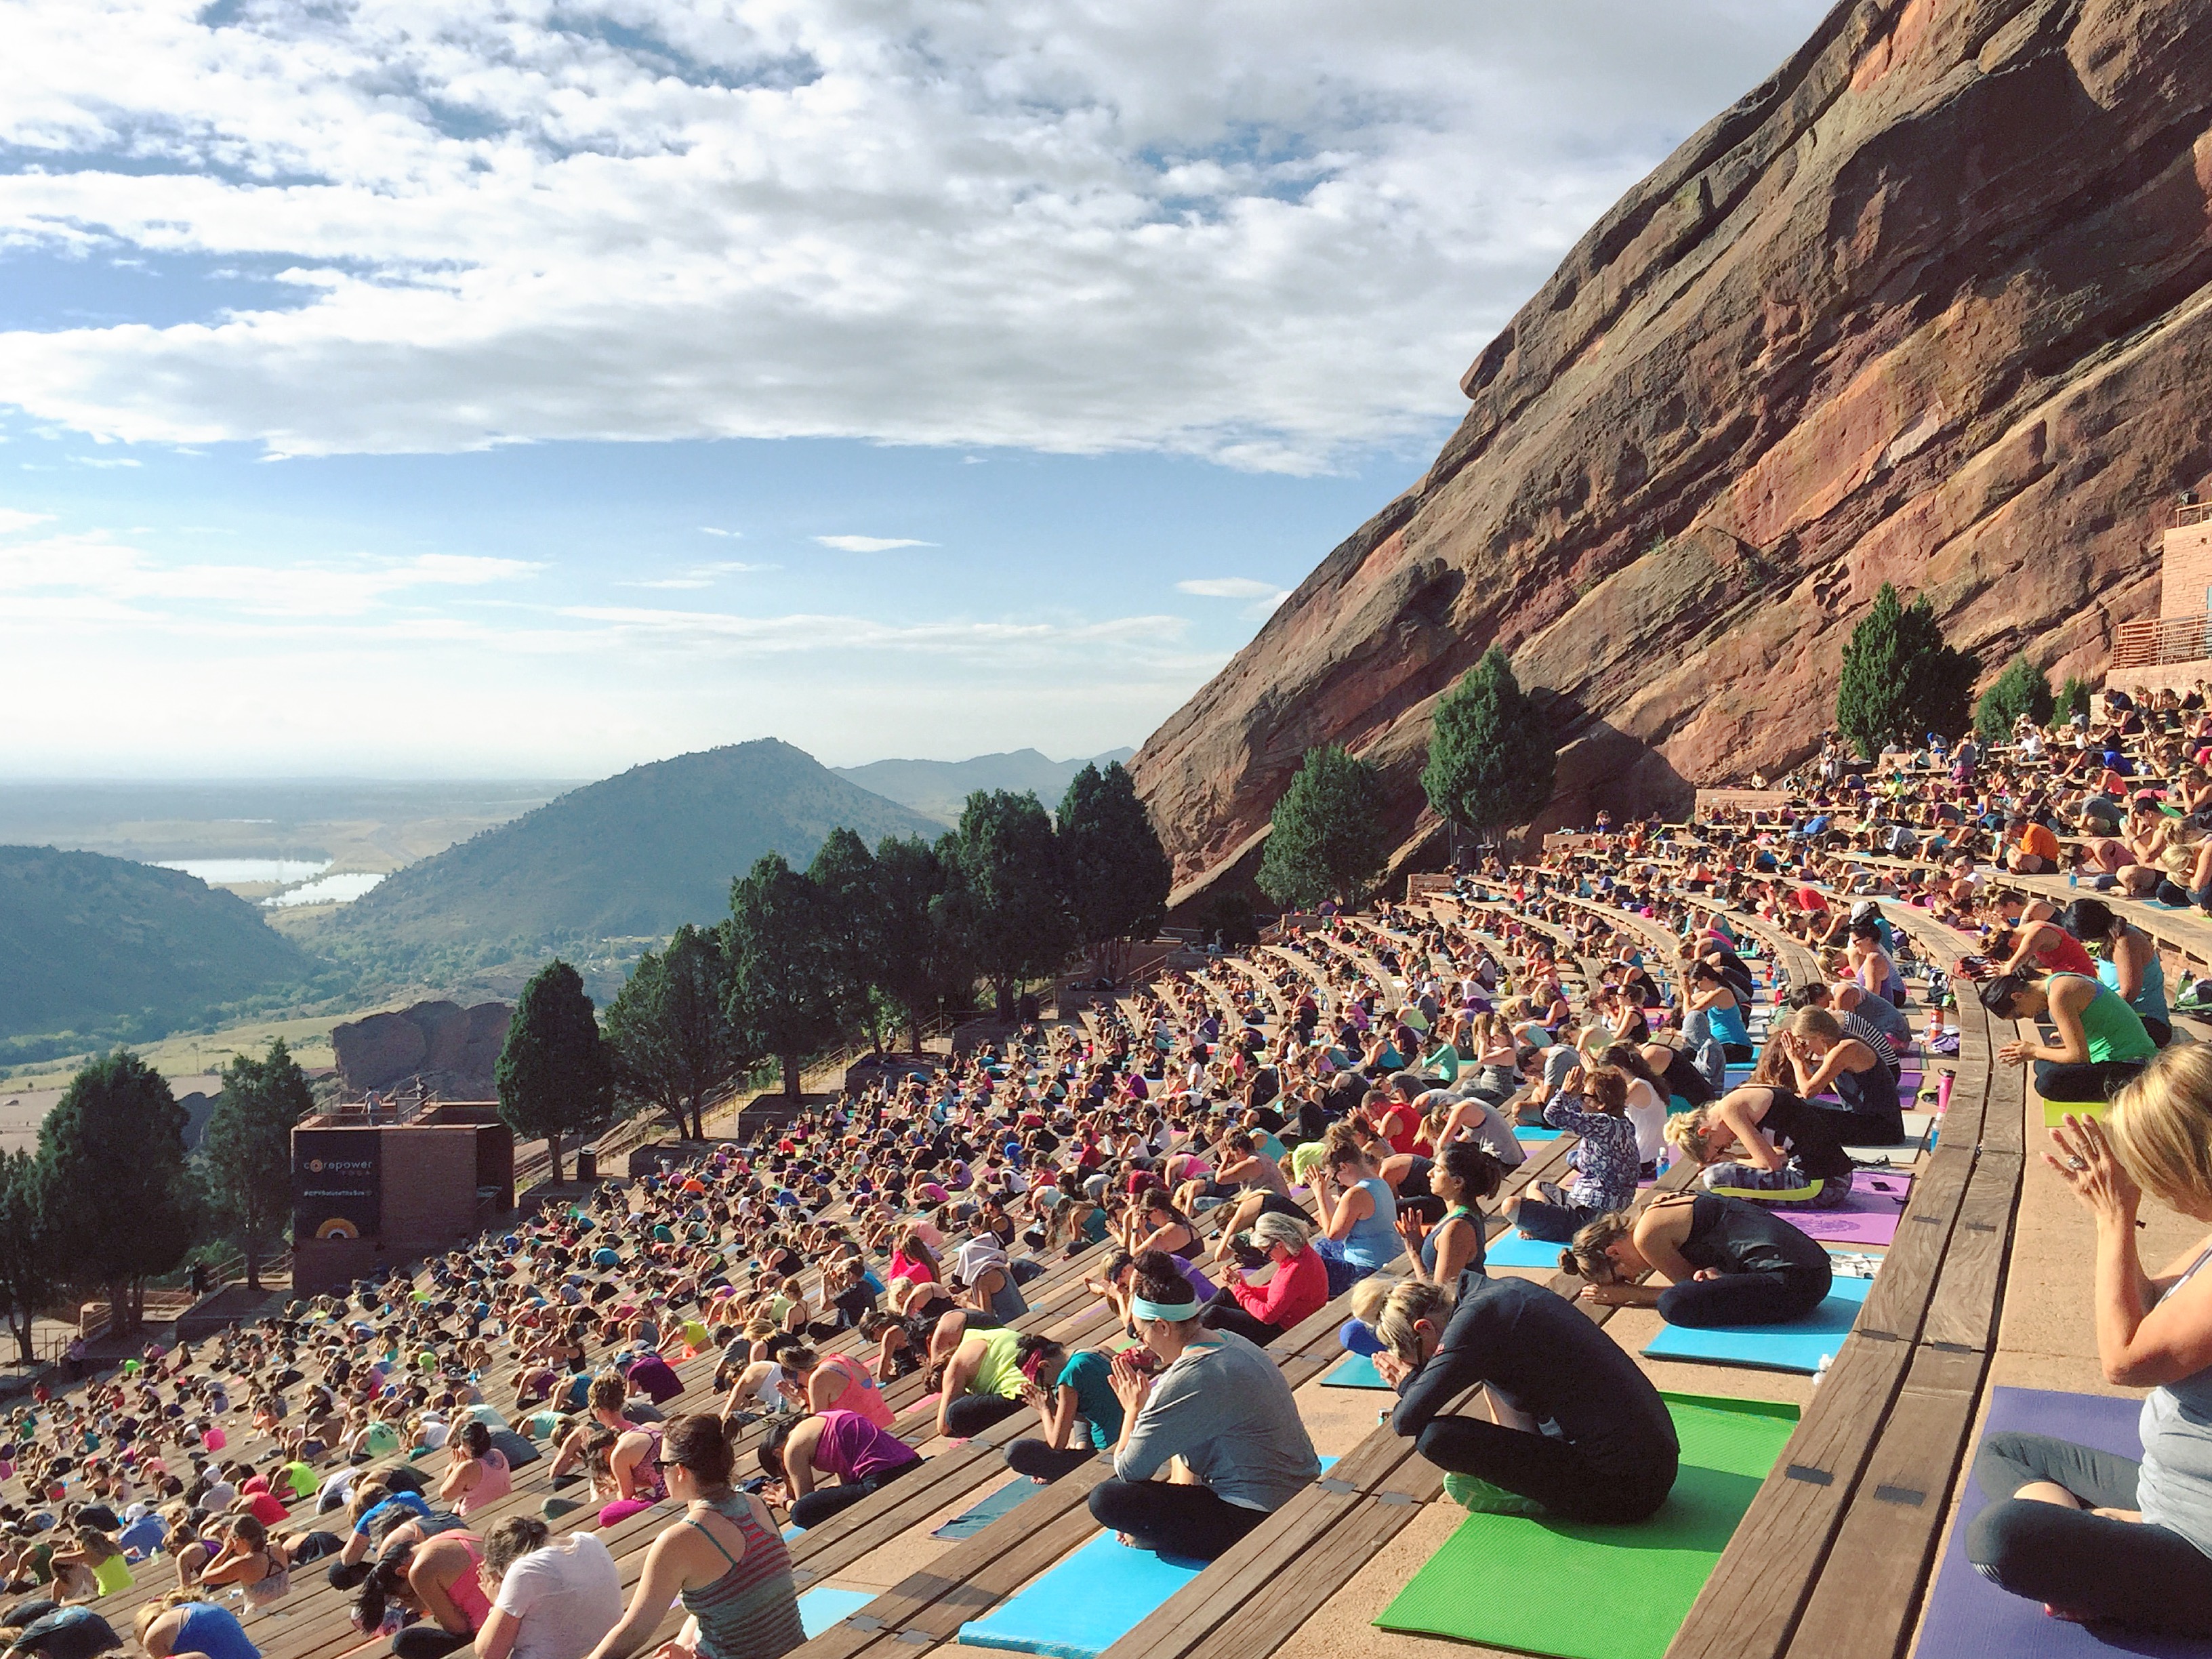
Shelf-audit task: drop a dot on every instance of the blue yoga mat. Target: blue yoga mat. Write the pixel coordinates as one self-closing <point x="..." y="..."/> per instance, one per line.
<point x="1085" y="1604"/>
<point x="1534" y="1131"/>
<point x="1794" y="1347"/>
<point x="1515" y="1248"/>
<point x="1354" y="1370"/>
<point x="1009" y="1497"/>
<point x="1970" y="1618"/>
<point x="818" y="1609"/>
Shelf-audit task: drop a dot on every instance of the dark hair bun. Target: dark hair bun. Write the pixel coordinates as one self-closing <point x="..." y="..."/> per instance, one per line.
<point x="1159" y="1279"/>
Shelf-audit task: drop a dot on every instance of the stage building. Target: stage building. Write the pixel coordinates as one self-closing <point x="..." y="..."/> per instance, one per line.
<point x="372" y="1185"/>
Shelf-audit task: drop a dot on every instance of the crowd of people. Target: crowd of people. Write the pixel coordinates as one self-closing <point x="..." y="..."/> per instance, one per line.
<point x="1223" y="1154"/>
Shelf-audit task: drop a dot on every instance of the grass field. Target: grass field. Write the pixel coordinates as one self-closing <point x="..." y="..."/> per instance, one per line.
<point x="194" y="1054"/>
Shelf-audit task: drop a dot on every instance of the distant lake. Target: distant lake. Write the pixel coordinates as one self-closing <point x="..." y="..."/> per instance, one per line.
<point x="331" y="889"/>
<point x="223" y="872"/>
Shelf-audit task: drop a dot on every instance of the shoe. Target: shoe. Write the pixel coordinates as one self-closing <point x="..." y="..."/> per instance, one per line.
<point x="1478" y="1496"/>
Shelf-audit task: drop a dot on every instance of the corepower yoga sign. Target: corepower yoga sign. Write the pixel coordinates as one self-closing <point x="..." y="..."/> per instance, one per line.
<point x="337" y="1183"/>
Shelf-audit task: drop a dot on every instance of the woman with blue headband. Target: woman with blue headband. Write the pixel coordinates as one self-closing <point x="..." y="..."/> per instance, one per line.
<point x="1220" y="1405"/>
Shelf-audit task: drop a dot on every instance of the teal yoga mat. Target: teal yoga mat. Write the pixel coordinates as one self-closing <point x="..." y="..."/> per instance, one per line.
<point x="1588" y="1592"/>
<point x="1794" y="1347"/>
<point x="1354" y="1370"/>
<point x="820" y="1608"/>
<point x="1085" y="1604"/>
<point x="1534" y="1131"/>
<point x="1515" y="1248"/>
<point x="1008" y="1497"/>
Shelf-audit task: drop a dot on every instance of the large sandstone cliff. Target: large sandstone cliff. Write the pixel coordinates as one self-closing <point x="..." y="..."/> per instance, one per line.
<point x="1931" y="305"/>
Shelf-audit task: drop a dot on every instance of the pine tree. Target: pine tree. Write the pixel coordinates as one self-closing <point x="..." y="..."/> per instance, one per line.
<point x="247" y="1149"/>
<point x="553" y="1075"/>
<point x="1899" y="680"/>
<point x="2022" y="689"/>
<point x="1007" y="901"/>
<point x="1326" y="838"/>
<point x="2073" y="698"/>
<point x="925" y="967"/>
<point x="669" y="1032"/>
<point x="30" y="1269"/>
<point x="1491" y="759"/>
<point x="1115" y="875"/>
<point x="845" y="877"/>
<point x="114" y="1195"/>
<point x="782" y="987"/>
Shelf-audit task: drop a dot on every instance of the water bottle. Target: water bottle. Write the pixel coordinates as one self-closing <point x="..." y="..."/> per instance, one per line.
<point x="2071" y="880"/>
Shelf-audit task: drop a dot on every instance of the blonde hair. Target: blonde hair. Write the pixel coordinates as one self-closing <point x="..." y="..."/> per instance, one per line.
<point x="1686" y="1130"/>
<point x="1816" y="1023"/>
<point x="1413" y="1300"/>
<point x="2161" y="1125"/>
<point x="1586" y="1257"/>
<point x="1367" y="1298"/>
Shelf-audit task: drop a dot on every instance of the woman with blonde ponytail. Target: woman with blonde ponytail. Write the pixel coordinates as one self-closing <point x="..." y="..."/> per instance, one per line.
<point x="1579" y="1433"/>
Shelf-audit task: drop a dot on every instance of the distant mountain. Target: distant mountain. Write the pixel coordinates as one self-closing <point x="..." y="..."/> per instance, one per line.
<point x="627" y="858"/>
<point x="941" y="789"/>
<point x="96" y="949"/>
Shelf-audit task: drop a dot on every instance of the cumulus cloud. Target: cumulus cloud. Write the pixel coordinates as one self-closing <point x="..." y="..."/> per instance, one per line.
<point x="870" y="544"/>
<point x="15" y="518"/>
<point x="1269" y="233"/>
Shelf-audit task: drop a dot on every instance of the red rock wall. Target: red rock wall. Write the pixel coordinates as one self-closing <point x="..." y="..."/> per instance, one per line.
<point x="451" y="1048"/>
<point x="1928" y="307"/>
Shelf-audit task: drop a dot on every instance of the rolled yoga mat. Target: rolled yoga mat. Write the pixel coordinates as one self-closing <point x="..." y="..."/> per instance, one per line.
<point x="1579" y="1591"/>
<point x="1796" y="1346"/>
<point x="1970" y="1618"/>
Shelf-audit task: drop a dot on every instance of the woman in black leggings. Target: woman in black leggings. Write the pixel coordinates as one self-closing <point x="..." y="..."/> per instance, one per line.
<point x="1728" y="1262"/>
<point x="1581" y="1433"/>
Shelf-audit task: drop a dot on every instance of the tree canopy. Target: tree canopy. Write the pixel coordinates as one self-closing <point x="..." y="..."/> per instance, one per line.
<point x="2021" y="689"/>
<point x="1114" y="874"/>
<point x="1899" y="679"/>
<point x="246" y="1150"/>
<point x="555" y="1077"/>
<point x="783" y="993"/>
<point x="30" y="1266"/>
<point x="670" y="1033"/>
<point x="1326" y="838"/>
<point x="925" y="963"/>
<point x="114" y="1195"/>
<point x="1491" y="759"/>
<point x="1006" y="903"/>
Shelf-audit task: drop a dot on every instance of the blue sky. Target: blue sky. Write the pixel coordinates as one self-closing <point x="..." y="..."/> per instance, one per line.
<point x="400" y="389"/>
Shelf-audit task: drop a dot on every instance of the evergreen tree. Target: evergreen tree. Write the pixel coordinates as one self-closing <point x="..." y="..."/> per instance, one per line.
<point x="1229" y="918"/>
<point x="1326" y="838"/>
<point x="2020" y="689"/>
<point x="1116" y="875"/>
<point x="1899" y="680"/>
<point x="782" y="987"/>
<point x="1006" y="902"/>
<point x="113" y="1195"/>
<point x="1491" y="759"/>
<point x="2073" y="698"/>
<point x="844" y="875"/>
<point x="925" y="968"/>
<point x="669" y="1032"/>
<point x="29" y="1267"/>
<point x="553" y="1075"/>
<point x="246" y="1150"/>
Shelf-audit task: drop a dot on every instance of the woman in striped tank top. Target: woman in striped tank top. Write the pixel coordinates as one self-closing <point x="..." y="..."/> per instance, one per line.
<point x="725" y="1557"/>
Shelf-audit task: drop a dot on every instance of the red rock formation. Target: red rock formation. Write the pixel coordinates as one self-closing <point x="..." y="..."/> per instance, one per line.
<point x="1929" y="307"/>
<point x="450" y="1048"/>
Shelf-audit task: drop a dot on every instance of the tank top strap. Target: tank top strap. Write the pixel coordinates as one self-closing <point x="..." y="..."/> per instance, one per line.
<point x="743" y="1521"/>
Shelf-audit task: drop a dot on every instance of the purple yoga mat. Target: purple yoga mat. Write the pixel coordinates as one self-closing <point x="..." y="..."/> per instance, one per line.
<point x="1869" y="1217"/>
<point x="1970" y="1618"/>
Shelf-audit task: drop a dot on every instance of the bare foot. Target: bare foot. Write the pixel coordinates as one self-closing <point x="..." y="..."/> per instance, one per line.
<point x="2060" y="1613"/>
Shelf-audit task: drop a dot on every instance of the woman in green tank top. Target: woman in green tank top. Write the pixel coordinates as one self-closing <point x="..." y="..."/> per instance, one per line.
<point x="982" y="1382"/>
<point x="2101" y="1041"/>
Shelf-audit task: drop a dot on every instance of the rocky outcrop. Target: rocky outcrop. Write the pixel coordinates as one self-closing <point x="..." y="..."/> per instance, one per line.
<point x="1928" y="307"/>
<point x="451" y="1049"/>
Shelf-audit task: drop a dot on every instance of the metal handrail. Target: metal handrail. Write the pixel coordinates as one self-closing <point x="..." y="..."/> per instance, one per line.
<point x="2161" y="639"/>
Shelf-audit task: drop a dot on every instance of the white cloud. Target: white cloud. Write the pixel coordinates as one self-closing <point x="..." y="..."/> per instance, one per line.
<point x="703" y="575"/>
<point x="1265" y="232"/>
<point x="15" y="518"/>
<point x="716" y="530"/>
<point x="106" y="460"/>
<point x="1229" y="588"/>
<point x="870" y="544"/>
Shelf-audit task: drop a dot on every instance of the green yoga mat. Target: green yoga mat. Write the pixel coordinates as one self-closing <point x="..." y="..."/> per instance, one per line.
<point x="1591" y="1592"/>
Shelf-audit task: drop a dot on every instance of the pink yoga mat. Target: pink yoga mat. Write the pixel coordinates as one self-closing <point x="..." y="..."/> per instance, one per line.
<point x="1869" y="1218"/>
